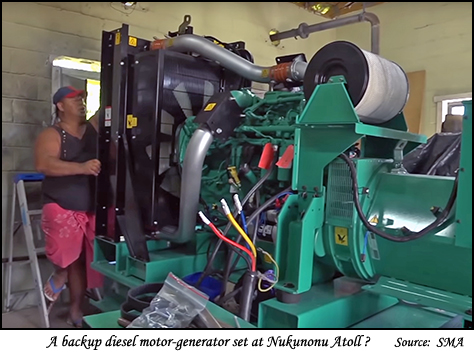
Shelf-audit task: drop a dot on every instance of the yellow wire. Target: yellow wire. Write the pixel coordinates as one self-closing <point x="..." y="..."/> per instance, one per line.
<point x="242" y="232"/>
<point x="277" y="270"/>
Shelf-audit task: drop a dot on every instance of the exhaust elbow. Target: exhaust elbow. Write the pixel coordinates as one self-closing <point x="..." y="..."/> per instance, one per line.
<point x="197" y="44"/>
<point x="190" y="187"/>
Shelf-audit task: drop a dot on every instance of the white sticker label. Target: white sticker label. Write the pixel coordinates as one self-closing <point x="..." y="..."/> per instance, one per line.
<point x="108" y="116"/>
<point x="374" y="249"/>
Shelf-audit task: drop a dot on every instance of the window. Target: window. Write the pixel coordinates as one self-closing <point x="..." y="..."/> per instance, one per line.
<point x="93" y="97"/>
<point x="456" y="108"/>
<point x="449" y="104"/>
<point x="81" y="73"/>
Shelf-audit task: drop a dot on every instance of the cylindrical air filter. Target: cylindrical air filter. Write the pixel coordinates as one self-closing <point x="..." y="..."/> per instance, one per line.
<point x="377" y="87"/>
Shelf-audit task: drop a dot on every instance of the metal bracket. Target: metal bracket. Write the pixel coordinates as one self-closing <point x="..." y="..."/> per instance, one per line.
<point x="398" y="158"/>
<point x="182" y="28"/>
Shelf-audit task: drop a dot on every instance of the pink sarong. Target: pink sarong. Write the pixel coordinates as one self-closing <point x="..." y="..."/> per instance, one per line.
<point x="68" y="233"/>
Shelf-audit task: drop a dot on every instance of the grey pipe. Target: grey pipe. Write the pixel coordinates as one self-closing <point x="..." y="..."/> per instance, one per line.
<point x="190" y="187"/>
<point x="229" y="60"/>
<point x="304" y="30"/>
<point x="247" y="294"/>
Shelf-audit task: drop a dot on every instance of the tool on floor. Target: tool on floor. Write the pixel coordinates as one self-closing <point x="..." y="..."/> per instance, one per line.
<point x="33" y="252"/>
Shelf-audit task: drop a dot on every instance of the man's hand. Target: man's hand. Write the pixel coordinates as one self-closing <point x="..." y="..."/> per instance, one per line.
<point x="91" y="167"/>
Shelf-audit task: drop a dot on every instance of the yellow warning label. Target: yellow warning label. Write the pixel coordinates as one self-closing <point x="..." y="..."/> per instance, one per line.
<point x="210" y="106"/>
<point x="341" y="236"/>
<point x="117" y="38"/>
<point x="265" y="73"/>
<point x="131" y="121"/>
<point x="132" y="41"/>
<point x="218" y="43"/>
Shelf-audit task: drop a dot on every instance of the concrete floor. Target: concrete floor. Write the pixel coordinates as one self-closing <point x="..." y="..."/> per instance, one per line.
<point x="29" y="318"/>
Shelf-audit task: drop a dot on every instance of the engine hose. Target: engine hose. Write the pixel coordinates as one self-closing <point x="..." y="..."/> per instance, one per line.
<point x="210" y="261"/>
<point x="249" y="285"/>
<point x="441" y="219"/>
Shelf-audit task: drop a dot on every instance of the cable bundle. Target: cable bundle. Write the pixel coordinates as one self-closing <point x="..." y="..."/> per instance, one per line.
<point x="250" y="250"/>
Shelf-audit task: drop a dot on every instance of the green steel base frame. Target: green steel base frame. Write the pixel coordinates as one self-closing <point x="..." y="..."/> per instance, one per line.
<point x="122" y="272"/>
<point x="114" y="261"/>
<point x="328" y="306"/>
<point x="398" y="316"/>
<point x="324" y="306"/>
<point x="339" y="304"/>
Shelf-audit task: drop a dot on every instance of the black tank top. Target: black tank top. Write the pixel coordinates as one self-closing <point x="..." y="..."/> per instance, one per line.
<point x="73" y="192"/>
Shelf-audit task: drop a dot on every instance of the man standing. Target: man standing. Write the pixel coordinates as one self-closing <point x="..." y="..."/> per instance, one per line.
<point x="66" y="154"/>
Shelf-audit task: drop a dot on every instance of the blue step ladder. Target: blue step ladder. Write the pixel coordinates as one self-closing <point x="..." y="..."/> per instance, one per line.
<point x="33" y="252"/>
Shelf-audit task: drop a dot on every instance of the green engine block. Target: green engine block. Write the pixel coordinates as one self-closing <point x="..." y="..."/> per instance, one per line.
<point x="267" y="120"/>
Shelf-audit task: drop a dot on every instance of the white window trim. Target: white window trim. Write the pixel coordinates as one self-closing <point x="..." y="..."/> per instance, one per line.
<point x="439" y="105"/>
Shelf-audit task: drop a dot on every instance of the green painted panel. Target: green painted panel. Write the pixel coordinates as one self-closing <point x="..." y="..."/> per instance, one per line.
<point x="464" y="198"/>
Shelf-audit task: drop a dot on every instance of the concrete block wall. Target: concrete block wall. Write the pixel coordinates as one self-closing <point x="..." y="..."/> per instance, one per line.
<point x="434" y="36"/>
<point x="34" y="32"/>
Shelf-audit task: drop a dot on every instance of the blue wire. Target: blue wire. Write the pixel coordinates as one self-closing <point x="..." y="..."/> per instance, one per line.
<point x="366" y="239"/>
<point x="244" y="223"/>
<point x="283" y="194"/>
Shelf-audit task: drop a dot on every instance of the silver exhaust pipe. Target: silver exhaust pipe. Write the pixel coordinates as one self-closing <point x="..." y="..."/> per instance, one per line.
<point x="197" y="44"/>
<point x="190" y="187"/>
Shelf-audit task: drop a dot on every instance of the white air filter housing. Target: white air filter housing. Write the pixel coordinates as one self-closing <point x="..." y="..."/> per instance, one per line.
<point x="377" y="87"/>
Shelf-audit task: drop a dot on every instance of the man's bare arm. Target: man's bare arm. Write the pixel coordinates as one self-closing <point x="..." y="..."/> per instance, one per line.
<point x="94" y="120"/>
<point x="47" y="153"/>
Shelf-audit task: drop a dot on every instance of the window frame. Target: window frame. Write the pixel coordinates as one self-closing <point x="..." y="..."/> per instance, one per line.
<point x="443" y="103"/>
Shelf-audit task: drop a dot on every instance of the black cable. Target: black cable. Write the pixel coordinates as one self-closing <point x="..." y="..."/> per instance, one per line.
<point x="256" y="225"/>
<point x="412" y="235"/>
<point x="211" y="242"/>
<point x="242" y="255"/>
<point x="254" y="189"/>
<point x="257" y="185"/>
<point x="255" y="231"/>
<point x="209" y="270"/>
<point x="236" y="250"/>
<point x="229" y="296"/>
<point x="254" y="216"/>
<point x="229" y="267"/>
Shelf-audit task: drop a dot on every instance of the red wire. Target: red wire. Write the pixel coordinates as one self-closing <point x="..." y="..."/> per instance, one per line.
<point x="235" y="244"/>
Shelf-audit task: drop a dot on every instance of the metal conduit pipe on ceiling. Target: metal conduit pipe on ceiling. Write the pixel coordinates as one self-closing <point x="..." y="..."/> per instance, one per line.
<point x="304" y="30"/>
